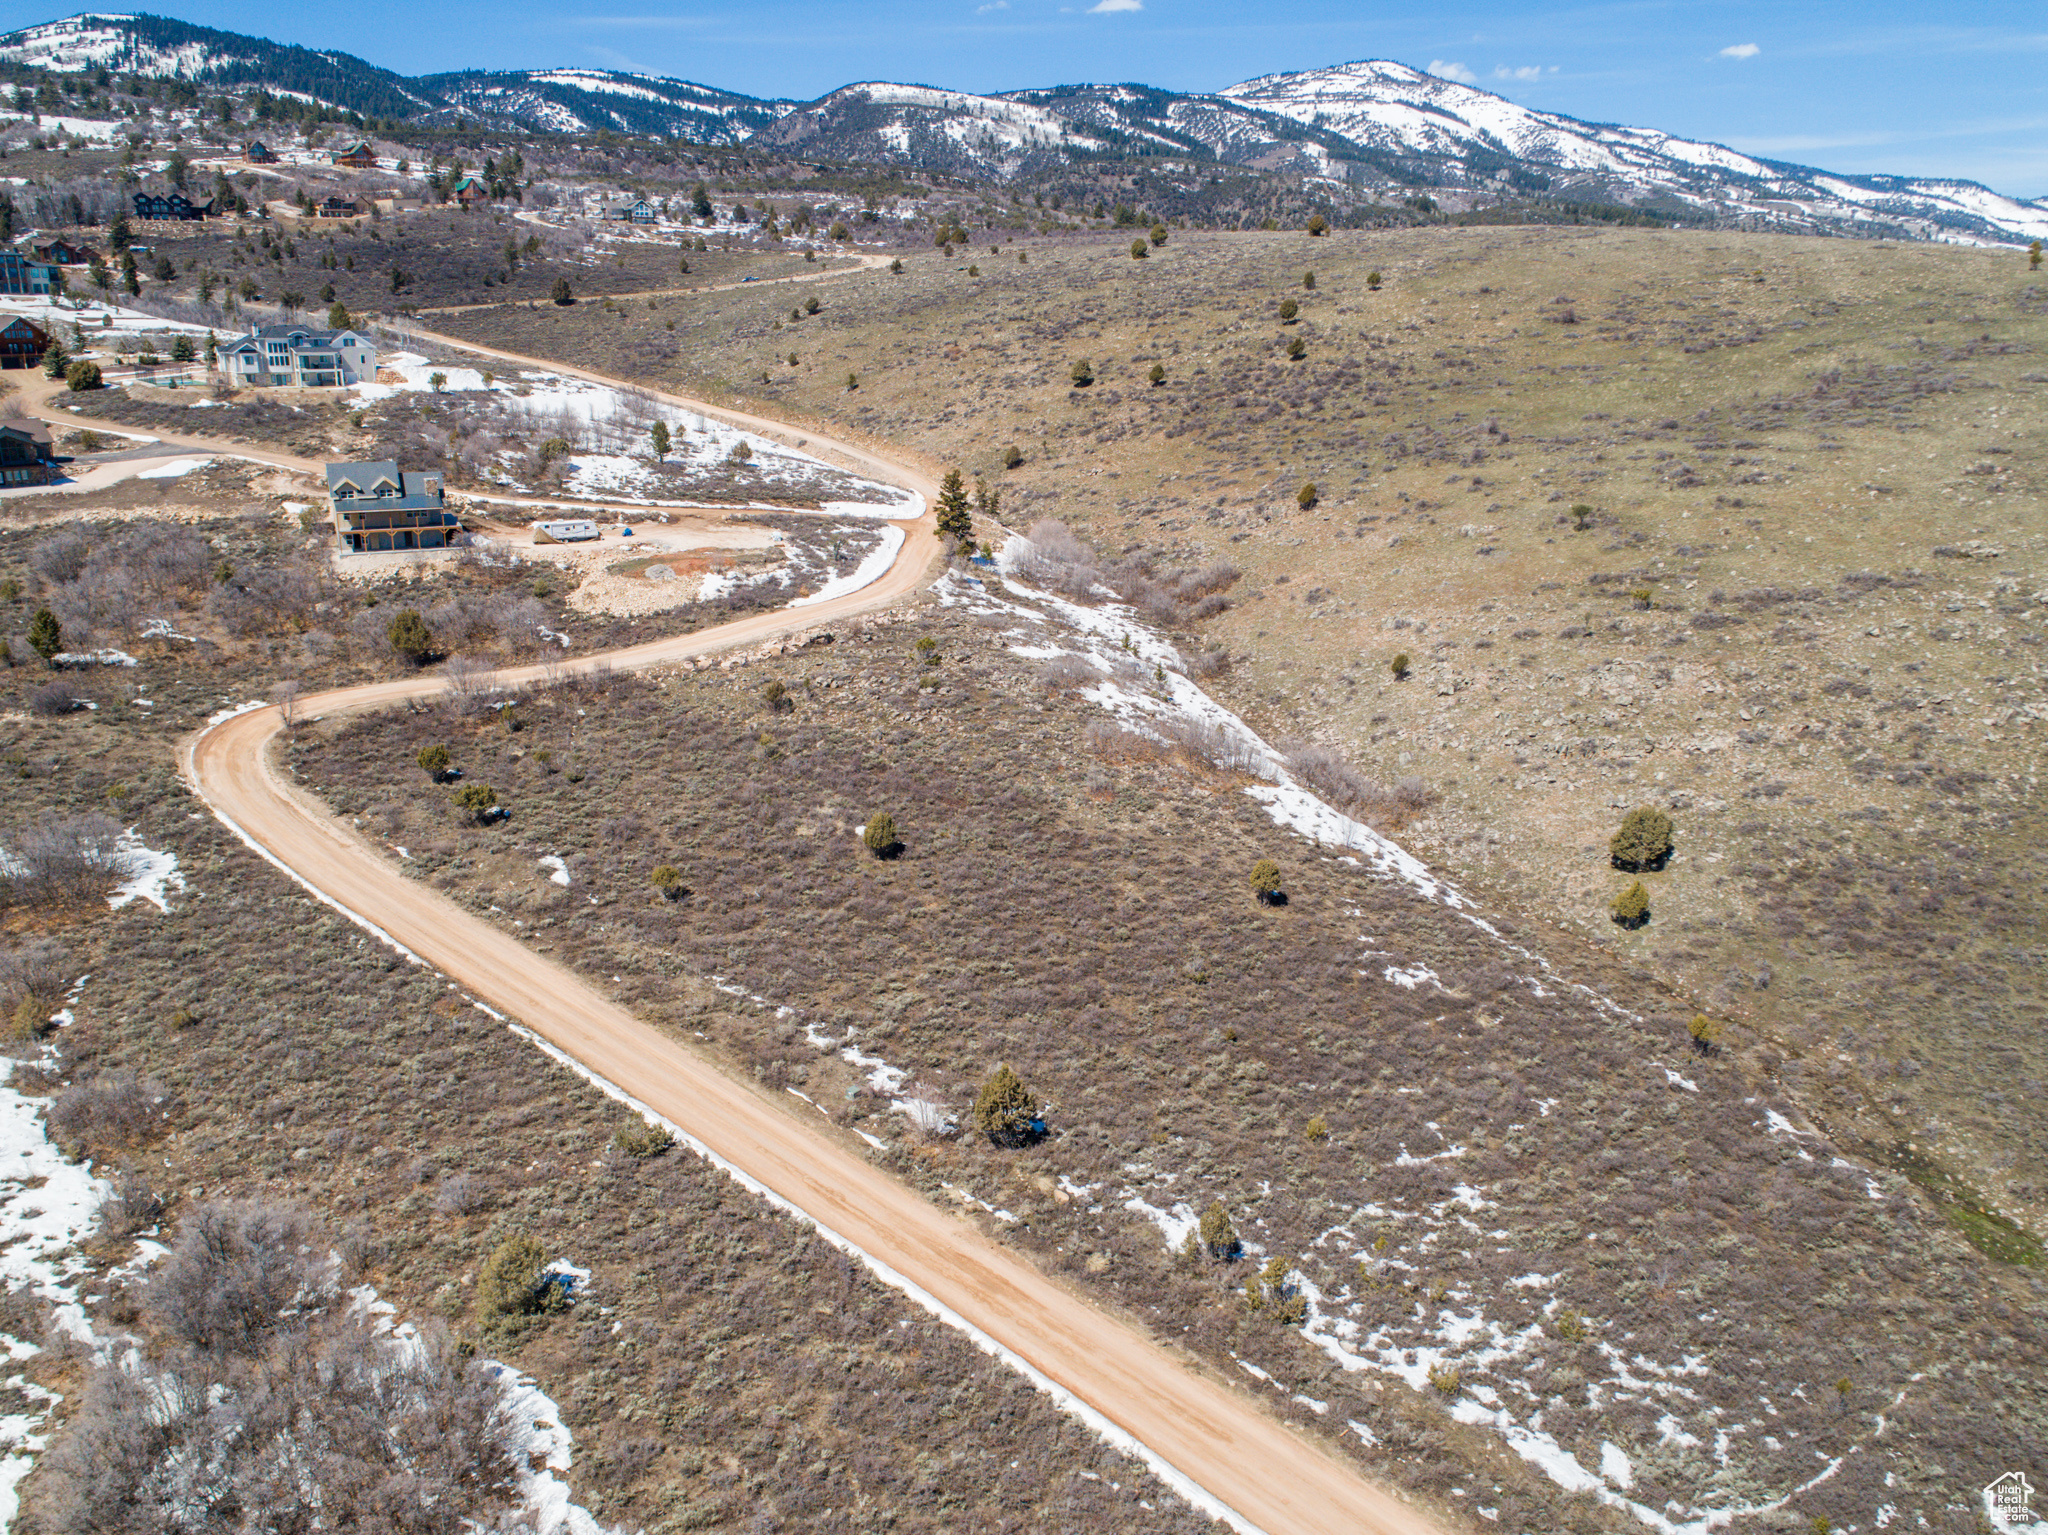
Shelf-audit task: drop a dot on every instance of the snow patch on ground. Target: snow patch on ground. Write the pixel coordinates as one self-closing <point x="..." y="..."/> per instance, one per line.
<point x="558" y="870"/>
<point x="152" y="875"/>
<point x="176" y="469"/>
<point x="867" y="573"/>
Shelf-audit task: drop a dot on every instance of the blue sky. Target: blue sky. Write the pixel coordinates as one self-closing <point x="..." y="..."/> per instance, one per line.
<point x="1880" y="85"/>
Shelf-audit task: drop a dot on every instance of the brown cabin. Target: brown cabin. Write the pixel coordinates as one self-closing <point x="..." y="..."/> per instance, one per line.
<point x="22" y="344"/>
<point x="64" y="253"/>
<point x="25" y="453"/>
<point x="256" y="152"/>
<point x="357" y="155"/>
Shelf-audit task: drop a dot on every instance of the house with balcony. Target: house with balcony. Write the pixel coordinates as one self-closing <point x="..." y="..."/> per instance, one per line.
<point x="65" y="253"/>
<point x="358" y="155"/>
<point x="378" y="508"/>
<point x="298" y="356"/>
<point x="171" y="207"/>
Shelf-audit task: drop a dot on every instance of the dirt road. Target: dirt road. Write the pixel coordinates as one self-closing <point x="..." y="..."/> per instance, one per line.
<point x="1270" y="1478"/>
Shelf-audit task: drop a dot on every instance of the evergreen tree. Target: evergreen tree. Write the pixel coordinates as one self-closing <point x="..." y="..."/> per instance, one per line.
<point x="1004" y="1109"/>
<point x="700" y="201"/>
<point x="879" y="834"/>
<point x="1297" y="349"/>
<point x="1632" y="907"/>
<point x="509" y="1282"/>
<point x="45" y="634"/>
<point x="560" y="292"/>
<point x="1288" y="310"/>
<point x="955" y="521"/>
<point x="1306" y="497"/>
<point x="477" y="800"/>
<point x="433" y="761"/>
<point x="1083" y="373"/>
<point x="1218" y="1235"/>
<point x="1140" y="250"/>
<point x="1265" y="880"/>
<point x="1643" y="842"/>
<point x="338" y="317"/>
<point x="120" y="233"/>
<point x="1158" y="374"/>
<point x="410" y="637"/>
<point x="657" y="436"/>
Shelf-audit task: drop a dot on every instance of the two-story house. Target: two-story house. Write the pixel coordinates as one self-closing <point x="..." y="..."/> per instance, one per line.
<point x="378" y="507"/>
<point x="22" y="276"/>
<point x="25" y="454"/>
<point x="22" y="343"/>
<point x="278" y="356"/>
<point x="358" y="155"/>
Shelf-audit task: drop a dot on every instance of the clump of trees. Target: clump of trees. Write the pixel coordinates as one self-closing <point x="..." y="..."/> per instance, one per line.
<point x="276" y="1394"/>
<point x="1005" y="1110"/>
<point x="1644" y="841"/>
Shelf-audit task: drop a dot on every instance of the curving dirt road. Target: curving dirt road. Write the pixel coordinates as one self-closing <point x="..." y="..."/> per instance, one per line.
<point x="1270" y="1478"/>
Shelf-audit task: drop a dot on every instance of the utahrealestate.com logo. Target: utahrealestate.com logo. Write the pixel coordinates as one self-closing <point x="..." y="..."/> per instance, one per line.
<point x="2010" y="1502"/>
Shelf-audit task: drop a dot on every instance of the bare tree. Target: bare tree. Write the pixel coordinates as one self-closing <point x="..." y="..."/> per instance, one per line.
<point x="286" y="696"/>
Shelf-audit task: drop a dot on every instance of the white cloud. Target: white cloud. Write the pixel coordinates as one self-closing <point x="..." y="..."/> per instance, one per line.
<point x="1526" y="72"/>
<point x="1442" y="69"/>
<point x="1741" y="51"/>
<point x="996" y="5"/>
<point x="1104" y="7"/>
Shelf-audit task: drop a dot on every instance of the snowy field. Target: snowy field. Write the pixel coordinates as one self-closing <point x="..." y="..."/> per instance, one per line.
<point x="95" y="318"/>
<point x="609" y="428"/>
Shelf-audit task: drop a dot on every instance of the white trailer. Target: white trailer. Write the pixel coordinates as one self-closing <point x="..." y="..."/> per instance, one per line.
<point x="567" y="530"/>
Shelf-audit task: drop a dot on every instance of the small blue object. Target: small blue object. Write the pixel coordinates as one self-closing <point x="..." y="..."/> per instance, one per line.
<point x="1038" y="1127"/>
<point x="625" y="532"/>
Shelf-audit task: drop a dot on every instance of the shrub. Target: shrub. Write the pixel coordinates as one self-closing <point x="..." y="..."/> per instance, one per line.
<point x="476" y="800"/>
<point x="1308" y="281"/>
<point x="812" y="305"/>
<point x="1012" y="456"/>
<point x="561" y="293"/>
<point x="1318" y="225"/>
<point x="1445" y="1378"/>
<point x="83" y="375"/>
<point x="1004" y="1109"/>
<point x="1631" y="908"/>
<point x="237" y="1272"/>
<point x="55" y="698"/>
<point x="1158" y="374"/>
<point x="434" y="761"/>
<point x="1139" y="250"/>
<point x="1306" y="497"/>
<point x="1082" y="373"/>
<point x="640" y="1140"/>
<point x="880" y="834"/>
<point x="896" y="265"/>
<point x="1567" y="1326"/>
<point x="108" y="1111"/>
<point x="1399" y="665"/>
<point x="1372" y="281"/>
<point x="1218" y="1237"/>
<point x="1265" y="880"/>
<point x="1317" y="1129"/>
<point x="62" y="858"/>
<point x="1288" y="310"/>
<point x="1159" y="235"/>
<point x="839" y="232"/>
<point x="1644" y="841"/>
<point x="1297" y="349"/>
<point x="668" y="879"/>
<point x="1582" y="518"/>
<point x="33" y="979"/>
<point x="411" y="638"/>
<point x="509" y="1282"/>
<point x="1705" y="1032"/>
<point x="45" y="634"/>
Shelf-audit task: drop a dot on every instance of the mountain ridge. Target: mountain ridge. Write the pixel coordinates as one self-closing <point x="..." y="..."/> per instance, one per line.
<point x="1354" y="135"/>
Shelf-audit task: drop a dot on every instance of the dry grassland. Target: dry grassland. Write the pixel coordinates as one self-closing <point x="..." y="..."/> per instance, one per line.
<point x="1805" y="615"/>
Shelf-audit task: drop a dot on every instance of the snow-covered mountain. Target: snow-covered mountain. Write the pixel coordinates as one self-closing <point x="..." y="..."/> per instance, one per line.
<point x="1366" y="132"/>
<point x="585" y="100"/>
<point x="1470" y="138"/>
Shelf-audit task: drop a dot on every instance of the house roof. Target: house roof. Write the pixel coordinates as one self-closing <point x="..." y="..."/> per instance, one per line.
<point x="364" y="476"/>
<point x="471" y="181"/>
<point x="29" y="431"/>
<point x="22" y="322"/>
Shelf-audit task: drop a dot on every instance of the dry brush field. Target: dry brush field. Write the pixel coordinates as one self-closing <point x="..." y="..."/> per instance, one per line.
<point x="1803" y="614"/>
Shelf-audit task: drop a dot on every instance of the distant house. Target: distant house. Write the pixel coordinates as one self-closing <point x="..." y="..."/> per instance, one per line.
<point x="22" y="343"/>
<point x="339" y="208"/>
<point x="378" y="507"/>
<point x="171" y="207"/>
<point x="641" y="212"/>
<point x="25" y="454"/>
<point x="470" y="191"/>
<point x="64" y="253"/>
<point x="279" y="356"/>
<point x="19" y="275"/>
<point x="256" y="152"/>
<point x="358" y="155"/>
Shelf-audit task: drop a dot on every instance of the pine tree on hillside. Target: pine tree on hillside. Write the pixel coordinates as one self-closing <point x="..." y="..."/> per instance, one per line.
<point x="956" y="521"/>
